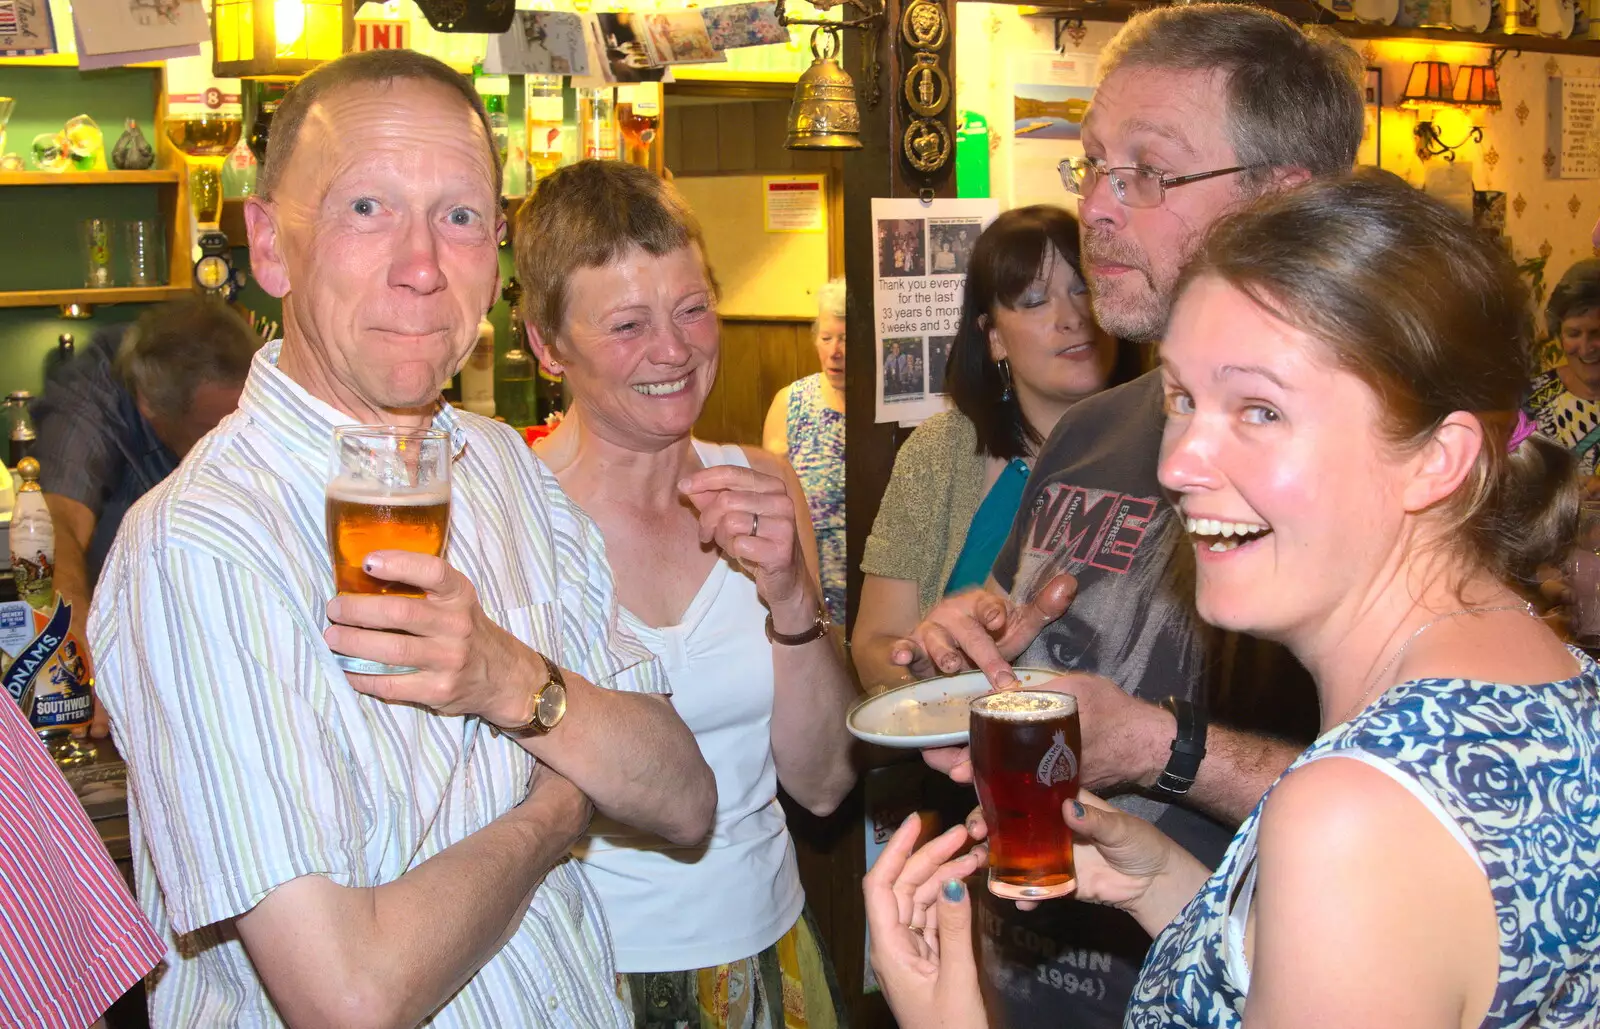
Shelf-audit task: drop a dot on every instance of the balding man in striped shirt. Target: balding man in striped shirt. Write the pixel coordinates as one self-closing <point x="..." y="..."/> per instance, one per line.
<point x="324" y="849"/>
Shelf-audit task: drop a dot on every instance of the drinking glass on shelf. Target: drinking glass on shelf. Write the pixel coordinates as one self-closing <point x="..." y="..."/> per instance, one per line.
<point x="388" y="489"/>
<point x="142" y="245"/>
<point x="7" y="105"/>
<point x="95" y="235"/>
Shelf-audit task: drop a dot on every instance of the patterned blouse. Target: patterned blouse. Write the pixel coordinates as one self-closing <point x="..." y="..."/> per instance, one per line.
<point x="816" y="450"/>
<point x="1510" y="771"/>
<point x="1566" y="418"/>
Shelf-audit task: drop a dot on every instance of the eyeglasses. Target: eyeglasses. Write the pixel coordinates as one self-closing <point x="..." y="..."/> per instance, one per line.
<point x="1134" y="186"/>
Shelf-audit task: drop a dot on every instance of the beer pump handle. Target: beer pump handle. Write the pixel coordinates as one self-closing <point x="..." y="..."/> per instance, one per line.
<point x="1188" y="748"/>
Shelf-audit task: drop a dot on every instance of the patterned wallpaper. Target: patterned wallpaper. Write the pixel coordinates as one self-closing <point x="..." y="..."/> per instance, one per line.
<point x="1544" y="215"/>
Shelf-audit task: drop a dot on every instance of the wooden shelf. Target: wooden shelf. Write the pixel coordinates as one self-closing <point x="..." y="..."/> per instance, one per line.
<point x="103" y="178"/>
<point x="123" y="295"/>
<point x="1308" y="13"/>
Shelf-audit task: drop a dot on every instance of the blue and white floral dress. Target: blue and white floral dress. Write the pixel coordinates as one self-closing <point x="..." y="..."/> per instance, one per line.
<point x="1514" y="773"/>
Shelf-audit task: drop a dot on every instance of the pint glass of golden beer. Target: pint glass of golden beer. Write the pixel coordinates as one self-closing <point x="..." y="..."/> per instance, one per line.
<point x="388" y="489"/>
<point x="1025" y="746"/>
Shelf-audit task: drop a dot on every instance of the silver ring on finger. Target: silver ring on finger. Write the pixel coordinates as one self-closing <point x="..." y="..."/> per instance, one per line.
<point x="755" y="525"/>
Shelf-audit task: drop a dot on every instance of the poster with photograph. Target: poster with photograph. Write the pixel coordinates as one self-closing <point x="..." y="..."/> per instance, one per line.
<point x="1050" y="96"/>
<point x="26" y="29"/>
<point x="923" y="250"/>
<point x="740" y="25"/>
<point x="539" y="43"/>
<point x="678" y="38"/>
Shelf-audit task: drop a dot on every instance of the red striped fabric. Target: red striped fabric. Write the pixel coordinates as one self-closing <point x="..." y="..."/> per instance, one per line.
<point x="71" y="938"/>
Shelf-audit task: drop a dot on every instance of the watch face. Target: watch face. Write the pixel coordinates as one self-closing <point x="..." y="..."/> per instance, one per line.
<point x="552" y="705"/>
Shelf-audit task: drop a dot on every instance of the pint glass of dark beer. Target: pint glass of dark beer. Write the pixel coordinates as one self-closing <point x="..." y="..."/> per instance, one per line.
<point x="1025" y="746"/>
<point x="388" y="489"/>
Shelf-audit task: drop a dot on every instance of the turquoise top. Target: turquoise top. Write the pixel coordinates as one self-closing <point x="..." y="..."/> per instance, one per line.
<point x="990" y="527"/>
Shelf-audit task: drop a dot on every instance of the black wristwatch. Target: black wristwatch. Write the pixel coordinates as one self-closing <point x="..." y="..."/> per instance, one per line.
<point x="1188" y="749"/>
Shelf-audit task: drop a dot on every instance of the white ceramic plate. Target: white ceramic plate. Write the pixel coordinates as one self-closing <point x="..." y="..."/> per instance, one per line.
<point x="1377" y="12"/>
<point x="930" y="713"/>
<point x="1470" y="15"/>
<point x="1556" y="18"/>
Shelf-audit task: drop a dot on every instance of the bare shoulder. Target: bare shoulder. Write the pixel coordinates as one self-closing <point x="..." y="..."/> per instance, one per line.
<point x="1340" y="819"/>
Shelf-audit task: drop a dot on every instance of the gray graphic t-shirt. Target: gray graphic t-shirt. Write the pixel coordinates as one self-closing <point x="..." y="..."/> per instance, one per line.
<point x="1093" y="507"/>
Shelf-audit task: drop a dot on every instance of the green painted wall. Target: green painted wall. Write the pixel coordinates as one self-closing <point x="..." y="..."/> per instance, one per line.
<point x="39" y="246"/>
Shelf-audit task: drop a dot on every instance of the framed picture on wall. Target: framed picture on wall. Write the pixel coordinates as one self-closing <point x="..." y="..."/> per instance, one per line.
<point x="1371" y="150"/>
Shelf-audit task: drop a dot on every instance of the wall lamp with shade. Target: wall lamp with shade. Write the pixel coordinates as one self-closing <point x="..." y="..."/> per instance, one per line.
<point x="1433" y="85"/>
<point x="262" y="38"/>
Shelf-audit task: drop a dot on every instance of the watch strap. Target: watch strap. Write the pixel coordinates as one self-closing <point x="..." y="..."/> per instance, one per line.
<point x="534" y="727"/>
<point x="818" y="629"/>
<point x="1188" y="748"/>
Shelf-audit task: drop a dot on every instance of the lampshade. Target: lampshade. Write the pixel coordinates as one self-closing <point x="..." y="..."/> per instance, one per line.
<point x="1476" y="86"/>
<point x="1430" y="83"/>
<point x="278" y="37"/>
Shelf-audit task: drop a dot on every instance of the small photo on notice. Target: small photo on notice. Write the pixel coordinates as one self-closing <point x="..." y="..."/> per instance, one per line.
<point x="950" y="246"/>
<point x="902" y="247"/>
<point x="938" y="355"/>
<point x="903" y="368"/>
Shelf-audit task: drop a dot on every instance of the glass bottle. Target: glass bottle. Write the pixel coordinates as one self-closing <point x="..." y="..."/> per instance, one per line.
<point x="514" y="397"/>
<point x="597" y="122"/>
<point x="639" y="115"/>
<point x="543" y="112"/>
<point x="494" y="89"/>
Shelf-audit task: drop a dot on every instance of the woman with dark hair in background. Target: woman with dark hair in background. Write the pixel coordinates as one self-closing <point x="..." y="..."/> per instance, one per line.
<point x="1026" y="349"/>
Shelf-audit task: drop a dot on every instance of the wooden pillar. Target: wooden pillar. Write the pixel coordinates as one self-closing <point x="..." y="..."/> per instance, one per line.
<point x="832" y="850"/>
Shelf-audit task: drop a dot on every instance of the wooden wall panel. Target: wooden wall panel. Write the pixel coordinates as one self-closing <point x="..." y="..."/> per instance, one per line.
<point x="758" y="359"/>
<point x="736" y="137"/>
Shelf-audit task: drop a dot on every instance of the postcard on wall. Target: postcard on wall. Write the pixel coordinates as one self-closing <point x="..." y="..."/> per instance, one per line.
<point x="740" y="25"/>
<point x="117" y="26"/>
<point x="678" y="38"/>
<point x="616" y="52"/>
<point x="539" y="43"/>
<point x="26" y="29"/>
<point x="922" y="253"/>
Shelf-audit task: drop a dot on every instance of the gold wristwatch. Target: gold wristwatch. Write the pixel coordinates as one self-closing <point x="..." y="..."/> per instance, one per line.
<point x="549" y="707"/>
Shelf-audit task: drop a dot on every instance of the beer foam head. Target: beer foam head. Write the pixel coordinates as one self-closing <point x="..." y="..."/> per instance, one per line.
<point x="1025" y="705"/>
<point x="354" y="491"/>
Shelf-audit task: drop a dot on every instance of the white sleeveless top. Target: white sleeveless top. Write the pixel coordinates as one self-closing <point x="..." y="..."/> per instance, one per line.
<point x="674" y="908"/>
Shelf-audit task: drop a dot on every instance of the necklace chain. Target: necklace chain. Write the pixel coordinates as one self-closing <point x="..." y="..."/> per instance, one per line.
<point x="1399" y="651"/>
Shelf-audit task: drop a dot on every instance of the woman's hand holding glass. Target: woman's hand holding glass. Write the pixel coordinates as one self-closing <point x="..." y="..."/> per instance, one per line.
<point x="1122" y="861"/>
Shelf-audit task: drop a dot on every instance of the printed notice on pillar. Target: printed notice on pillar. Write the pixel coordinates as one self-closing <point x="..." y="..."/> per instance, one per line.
<point x="922" y="251"/>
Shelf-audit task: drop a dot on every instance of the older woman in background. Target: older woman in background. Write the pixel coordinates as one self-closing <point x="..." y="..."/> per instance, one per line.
<point x="1026" y="349"/>
<point x="1565" y="400"/>
<point x="805" y="425"/>
<point x="716" y="573"/>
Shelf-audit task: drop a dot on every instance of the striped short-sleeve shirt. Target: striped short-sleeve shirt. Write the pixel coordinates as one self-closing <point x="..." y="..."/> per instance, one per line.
<point x="253" y="762"/>
<point x="71" y="938"/>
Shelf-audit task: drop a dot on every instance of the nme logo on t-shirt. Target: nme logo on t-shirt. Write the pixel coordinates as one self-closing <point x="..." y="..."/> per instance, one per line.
<point x="1099" y="527"/>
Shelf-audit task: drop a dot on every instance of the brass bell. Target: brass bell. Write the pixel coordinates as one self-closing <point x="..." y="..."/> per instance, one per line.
<point x="824" y="114"/>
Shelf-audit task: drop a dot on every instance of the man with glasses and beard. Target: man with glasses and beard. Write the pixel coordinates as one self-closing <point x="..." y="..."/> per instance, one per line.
<point x="1199" y="110"/>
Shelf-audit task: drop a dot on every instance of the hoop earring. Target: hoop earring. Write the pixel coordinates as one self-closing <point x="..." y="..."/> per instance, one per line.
<point x="1004" y="366"/>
